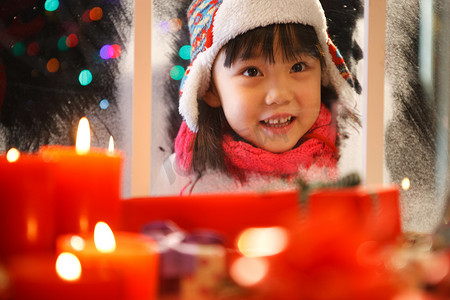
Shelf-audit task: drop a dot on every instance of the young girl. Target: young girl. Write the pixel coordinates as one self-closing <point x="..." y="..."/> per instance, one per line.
<point x="264" y="101"/>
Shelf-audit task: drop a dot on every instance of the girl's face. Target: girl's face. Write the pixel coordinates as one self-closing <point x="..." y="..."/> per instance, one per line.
<point x="271" y="105"/>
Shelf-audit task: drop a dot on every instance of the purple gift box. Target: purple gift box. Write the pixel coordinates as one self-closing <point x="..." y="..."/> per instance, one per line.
<point x="178" y="251"/>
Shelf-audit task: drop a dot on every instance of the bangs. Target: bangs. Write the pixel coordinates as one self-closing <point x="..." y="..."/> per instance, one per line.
<point x="294" y="40"/>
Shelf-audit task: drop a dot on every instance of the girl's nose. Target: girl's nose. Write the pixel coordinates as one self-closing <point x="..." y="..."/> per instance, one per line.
<point x="279" y="93"/>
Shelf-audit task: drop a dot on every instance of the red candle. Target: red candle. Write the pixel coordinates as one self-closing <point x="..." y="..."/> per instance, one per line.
<point x="133" y="254"/>
<point x="87" y="186"/>
<point x="26" y="204"/>
<point x="36" y="277"/>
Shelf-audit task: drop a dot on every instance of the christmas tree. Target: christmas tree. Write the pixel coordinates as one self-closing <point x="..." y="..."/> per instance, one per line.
<point x="59" y="61"/>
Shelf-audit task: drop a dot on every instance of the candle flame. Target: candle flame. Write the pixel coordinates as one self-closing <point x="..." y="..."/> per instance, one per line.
<point x="68" y="266"/>
<point x="12" y="155"/>
<point x="258" y="242"/>
<point x="83" y="143"/>
<point x="104" y="238"/>
<point x="111" y="145"/>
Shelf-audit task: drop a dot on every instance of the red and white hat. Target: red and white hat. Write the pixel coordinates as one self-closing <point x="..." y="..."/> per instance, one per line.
<point x="213" y="23"/>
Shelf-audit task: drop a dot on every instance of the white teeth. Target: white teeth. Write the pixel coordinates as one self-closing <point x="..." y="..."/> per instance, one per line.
<point x="278" y="121"/>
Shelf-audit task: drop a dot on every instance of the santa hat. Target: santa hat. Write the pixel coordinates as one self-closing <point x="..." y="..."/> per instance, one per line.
<point x="213" y="23"/>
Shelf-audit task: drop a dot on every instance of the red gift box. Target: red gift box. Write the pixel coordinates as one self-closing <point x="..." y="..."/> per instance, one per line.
<point x="333" y="228"/>
<point x="228" y="214"/>
<point x="376" y="208"/>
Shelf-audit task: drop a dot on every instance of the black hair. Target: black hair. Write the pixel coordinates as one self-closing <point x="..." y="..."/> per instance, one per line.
<point x="293" y="39"/>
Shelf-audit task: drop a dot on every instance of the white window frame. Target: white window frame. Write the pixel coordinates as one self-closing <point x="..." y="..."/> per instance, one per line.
<point x="373" y="82"/>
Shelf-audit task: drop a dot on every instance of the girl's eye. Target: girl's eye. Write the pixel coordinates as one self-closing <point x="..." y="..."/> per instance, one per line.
<point x="251" y="72"/>
<point x="298" y="67"/>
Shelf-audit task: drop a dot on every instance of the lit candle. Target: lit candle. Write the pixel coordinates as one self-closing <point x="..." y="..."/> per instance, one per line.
<point x="87" y="183"/>
<point x="26" y="204"/>
<point x="111" y="145"/>
<point x="51" y="278"/>
<point x="133" y="254"/>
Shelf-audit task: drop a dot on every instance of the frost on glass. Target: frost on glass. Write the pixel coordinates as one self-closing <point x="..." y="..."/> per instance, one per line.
<point x="416" y="108"/>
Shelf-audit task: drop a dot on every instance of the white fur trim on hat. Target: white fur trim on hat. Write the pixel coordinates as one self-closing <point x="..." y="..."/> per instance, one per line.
<point x="235" y="17"/>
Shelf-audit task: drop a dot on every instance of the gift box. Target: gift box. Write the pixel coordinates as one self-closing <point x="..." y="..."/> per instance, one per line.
<point x="341" y="239"/>
<point x="208" y="255"/>
<point x="345" y="230"/>
<point x="376" y="208"/>
<point x="227" y="214"/>
<point x="192" y="264"/>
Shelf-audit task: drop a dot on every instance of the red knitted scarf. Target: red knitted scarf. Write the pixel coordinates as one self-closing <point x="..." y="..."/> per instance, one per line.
<point x="317" y="148"/>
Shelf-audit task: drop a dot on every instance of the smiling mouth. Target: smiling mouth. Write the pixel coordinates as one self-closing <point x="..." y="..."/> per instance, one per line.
<point x="278" y="122"/>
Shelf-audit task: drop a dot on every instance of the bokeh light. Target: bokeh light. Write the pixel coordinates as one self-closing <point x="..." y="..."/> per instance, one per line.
<point x="33" y="49"/>
<point x="117" y="50"/>
<point x="406" y="184"/>
<point x="164" y="27"/>
<point x="257" y="242"/>
<point x="85" y="77"/>
<point x="185" y="52"/>
<point x="247" y="271"/>
<point x="72" y="40"/>
<point x="106" y="52"/>
<point x="53" y="65"/>
<point x="177" y="72"/>
<point x="51" y="5"/>
<point x="104" y="104"/>
<point x="175" y="24"/>
<point x="12" y="155"/>
<point x="77" y="243"/>
<point x="110" y="51"/>
<point x="68" y="266"/>
<point x="19" y="49"/>
<point x="96" y="14"/>
<point x="62" y="45"/>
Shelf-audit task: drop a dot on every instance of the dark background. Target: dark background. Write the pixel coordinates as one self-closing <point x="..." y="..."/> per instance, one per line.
<point x="39" y="107"/>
